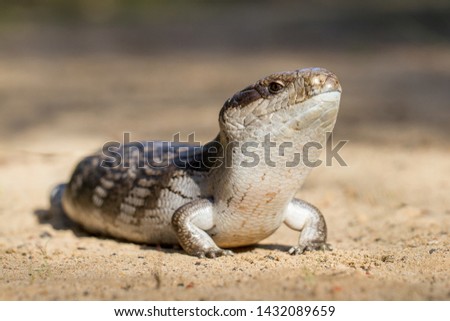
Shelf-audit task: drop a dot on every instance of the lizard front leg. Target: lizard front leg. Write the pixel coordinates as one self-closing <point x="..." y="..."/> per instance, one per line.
<point x="190" y="222"/>
<point x="306" y="218"/>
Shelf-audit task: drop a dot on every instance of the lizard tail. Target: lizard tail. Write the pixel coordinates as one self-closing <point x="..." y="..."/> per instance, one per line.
<point x="56" y="198"/>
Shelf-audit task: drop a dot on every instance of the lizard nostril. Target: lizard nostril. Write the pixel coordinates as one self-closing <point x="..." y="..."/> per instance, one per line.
<point x="316" y="81"/>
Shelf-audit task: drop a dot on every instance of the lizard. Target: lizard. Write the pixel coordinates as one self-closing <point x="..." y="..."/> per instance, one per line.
<point x="212" y="198"/>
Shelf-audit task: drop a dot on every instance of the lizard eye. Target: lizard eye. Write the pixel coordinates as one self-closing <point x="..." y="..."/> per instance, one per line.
<point x="275" y="87"/>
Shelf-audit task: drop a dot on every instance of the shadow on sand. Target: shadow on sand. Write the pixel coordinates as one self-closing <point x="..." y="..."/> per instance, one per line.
<point x="59" y="221"/>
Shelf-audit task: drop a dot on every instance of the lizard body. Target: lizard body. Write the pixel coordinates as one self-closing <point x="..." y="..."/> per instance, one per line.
<point x="214" y="197"/>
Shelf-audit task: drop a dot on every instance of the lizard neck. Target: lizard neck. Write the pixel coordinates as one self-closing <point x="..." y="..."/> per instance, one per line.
<point x="255" y="177"/>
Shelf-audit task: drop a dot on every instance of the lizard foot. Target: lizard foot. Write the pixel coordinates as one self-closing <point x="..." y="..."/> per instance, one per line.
<point x="212" y="253"/>
<point x="300" y="249"/>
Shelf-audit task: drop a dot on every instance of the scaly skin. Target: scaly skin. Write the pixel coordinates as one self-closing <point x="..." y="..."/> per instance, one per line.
<point x="222" y="197"/>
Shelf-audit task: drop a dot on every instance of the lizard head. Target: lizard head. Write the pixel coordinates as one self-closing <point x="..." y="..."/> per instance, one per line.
<point x="288" y="105"/>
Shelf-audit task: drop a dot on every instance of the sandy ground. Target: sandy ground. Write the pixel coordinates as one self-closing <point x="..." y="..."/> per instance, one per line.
<point x="388" y="211"/>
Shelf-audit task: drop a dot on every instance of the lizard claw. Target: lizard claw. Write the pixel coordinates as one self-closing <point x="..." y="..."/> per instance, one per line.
<point x="214" y="253"/>
<point x="300" y="249"/>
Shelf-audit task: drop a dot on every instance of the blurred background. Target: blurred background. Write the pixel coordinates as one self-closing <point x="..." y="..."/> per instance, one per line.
<point x="94" y="69"/>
